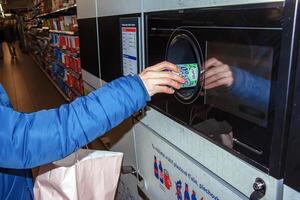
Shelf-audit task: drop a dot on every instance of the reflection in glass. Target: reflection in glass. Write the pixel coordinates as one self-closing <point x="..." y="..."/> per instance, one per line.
<point x="251" y="65"/>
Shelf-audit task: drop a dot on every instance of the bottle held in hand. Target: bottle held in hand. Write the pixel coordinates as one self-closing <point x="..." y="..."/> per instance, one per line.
<point x="190" y="73"/>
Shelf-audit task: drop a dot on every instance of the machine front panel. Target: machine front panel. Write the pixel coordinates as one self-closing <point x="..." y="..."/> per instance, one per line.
<point x="169" y="174"/>
<point x="226" y="165"/>
<point x="158" y="5"/>
<point x="247" y="40"/>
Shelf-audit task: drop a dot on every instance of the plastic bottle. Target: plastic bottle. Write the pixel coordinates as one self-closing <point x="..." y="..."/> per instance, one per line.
<point x="155" y="168"/>
<point x="186" y="192"/>
<point x="161" y="173"/>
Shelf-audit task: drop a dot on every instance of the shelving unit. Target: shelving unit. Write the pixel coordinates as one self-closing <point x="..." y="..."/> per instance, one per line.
<point x="64" y="32"/>
<point x="69" y="10"/>
<point x="54" y="45"/>
<point x="51" y="80"/>
<point x="75" y="74"/>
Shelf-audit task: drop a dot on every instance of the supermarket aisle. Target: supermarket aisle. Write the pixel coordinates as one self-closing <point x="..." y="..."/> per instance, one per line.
<point x="27" y="86"/>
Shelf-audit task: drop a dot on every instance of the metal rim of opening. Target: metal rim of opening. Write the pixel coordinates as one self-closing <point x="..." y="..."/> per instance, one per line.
<point x="182" y="34"/>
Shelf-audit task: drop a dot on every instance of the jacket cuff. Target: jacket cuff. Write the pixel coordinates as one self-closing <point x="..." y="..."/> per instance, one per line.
<point x="138" y="78"/>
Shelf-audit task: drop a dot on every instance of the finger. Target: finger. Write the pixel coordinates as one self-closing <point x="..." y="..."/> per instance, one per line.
<point x="167" y="82"/>
<point x="164" y="89"/>
<point x="217" y="77"/>
<point x="170" y="75"/>
<point x="216" y="70"/>
<point x="221" y="82"/>
<point x="164" y="66"/>
<point x="212" y="62"/>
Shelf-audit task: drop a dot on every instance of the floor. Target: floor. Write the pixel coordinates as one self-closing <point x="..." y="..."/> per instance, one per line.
<point x="28" y="88"/>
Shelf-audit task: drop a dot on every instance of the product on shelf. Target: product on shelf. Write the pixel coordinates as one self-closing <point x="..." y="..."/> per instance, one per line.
<point x="72" y="86"/>
<point x="68" y="60"/>
<point x="64" y="23"/>
<point x="57" y="4"/>
<point x="55" y="47"/>
<point x="65" y="42"/>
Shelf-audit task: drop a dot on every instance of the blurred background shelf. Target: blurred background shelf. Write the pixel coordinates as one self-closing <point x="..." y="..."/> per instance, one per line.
<point x="69" y="10"/>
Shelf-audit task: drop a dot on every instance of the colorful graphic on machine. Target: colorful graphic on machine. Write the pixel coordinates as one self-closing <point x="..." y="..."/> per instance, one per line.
<point x="190" y="73"/>
<point x="156" y="168"/>
<point x="175" y="179"/>
<point x="178" y="190"/>
<point x="161" y="174"/>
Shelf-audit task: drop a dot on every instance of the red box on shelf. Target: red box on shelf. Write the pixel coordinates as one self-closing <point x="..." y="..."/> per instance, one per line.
<point x="67" y="61"/>
<point x="77" y="44"/>
<point x="71" y="63"/>
<point x="62" y="42"/>
<point x="78" y="85"/>
<point x="70" y="43"/>
<point x="76" y="65"/>
<point x="70" y="80"/>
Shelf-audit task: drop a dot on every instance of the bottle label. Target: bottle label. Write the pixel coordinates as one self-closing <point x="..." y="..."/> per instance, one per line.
<point x="190" y="73"/>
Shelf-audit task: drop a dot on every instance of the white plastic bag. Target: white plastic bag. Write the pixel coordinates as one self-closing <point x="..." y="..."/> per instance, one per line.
<point x="84" y="175"/>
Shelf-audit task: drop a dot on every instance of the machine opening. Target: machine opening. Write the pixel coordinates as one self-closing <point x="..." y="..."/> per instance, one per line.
<point x="184" y="51"/>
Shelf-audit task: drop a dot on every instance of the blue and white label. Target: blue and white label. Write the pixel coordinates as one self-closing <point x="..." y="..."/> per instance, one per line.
<point x="129" y="50"/>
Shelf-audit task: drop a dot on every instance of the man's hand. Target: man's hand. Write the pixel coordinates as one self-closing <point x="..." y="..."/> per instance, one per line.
<point x="217" y="74"/>
<point x="161" y="79"/>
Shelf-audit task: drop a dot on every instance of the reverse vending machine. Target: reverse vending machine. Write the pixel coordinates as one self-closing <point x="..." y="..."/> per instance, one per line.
<point x="222" y="143"/>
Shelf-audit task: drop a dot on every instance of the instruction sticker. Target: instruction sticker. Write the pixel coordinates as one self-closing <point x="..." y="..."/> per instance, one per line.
<point x="129" y="50"/>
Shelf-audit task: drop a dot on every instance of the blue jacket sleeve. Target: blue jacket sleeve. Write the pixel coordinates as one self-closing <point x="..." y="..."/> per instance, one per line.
<point x="29" y="140"/>
<point x="253" y="90"/>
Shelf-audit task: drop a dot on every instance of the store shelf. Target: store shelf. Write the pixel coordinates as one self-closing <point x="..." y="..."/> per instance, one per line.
<point x="75" y="91"/>
<point x="64" y="32"/>
<point x="51" y="80"/>
<point x="43" y="38"/>
<point x="42" y="29"/>
<point x="76" y="75"/>
<point x="66" y="51"/>
<point x="69" y="10"/>
<point x="43" y="54"/>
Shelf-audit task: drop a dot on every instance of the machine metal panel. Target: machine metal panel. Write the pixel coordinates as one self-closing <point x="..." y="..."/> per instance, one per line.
<point x="290" y="194"/>
<point x="118" y="7"/>
<point x="158" y="5"/>
<point x="91" y="80"/>
<point x="88" y="33"/>
<point x="225" y="165"/>
<point x="170" y="174"/>
<point x="86" y="9"/>
<point x="292" y="172"/>
<point x="111" y="46"/>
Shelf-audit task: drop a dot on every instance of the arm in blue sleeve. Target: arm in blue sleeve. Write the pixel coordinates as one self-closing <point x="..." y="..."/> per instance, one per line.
<point x="253" y="90"/>
<point x="29" y="140"/>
